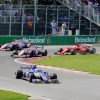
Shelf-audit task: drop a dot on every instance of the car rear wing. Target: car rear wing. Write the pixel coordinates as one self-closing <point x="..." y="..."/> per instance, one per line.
<point x="42" y="47"/>
<point x="26" y="66"/>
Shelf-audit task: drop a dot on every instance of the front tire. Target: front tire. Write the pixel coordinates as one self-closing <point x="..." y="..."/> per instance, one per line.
<point x="14" y="53"/>
<point x="19" y="74"/>
<point x="32" y="76"/>
<point x="32" y="54"/>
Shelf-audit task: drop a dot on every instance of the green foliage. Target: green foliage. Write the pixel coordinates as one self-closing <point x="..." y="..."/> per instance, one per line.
<point x="87" y="63"/>
<point x="7" y="95"/>
<point x="0" y="1"/>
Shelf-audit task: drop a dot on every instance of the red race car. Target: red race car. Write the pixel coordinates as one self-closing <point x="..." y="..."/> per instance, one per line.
<point x="79" y="48"/>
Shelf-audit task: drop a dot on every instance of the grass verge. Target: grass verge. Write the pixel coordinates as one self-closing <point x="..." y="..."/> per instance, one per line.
<point x="87" y="63"/>
<point x="7" y="95"/>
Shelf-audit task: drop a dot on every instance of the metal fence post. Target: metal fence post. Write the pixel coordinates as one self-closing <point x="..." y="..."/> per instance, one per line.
<point x="34" y="22"/>
<point x="22" y="21"/>
<point x="46" y="22"/>
<point x="80" y="10"/>
<point x="10" y="21"/>
<point x="57" y="15"/>
<point x="35" y="14"/>
<point x="68" y="21"/>
<point x="90" y="29"/>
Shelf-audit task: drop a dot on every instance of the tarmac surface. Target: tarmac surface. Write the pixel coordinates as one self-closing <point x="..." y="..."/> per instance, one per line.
<point x="73" y="85"/>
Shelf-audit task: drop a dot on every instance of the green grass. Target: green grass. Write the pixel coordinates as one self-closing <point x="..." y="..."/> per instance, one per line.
<point x="7" y="95"/>
<point x="87" y="63"/>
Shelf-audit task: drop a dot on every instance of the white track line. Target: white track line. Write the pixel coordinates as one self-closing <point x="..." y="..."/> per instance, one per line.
<point x="50" y="67"/>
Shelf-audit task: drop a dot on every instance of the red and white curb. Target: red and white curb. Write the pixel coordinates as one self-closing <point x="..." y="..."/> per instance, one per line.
<point x="50" y="67"/>
<point x="40" y="98"/>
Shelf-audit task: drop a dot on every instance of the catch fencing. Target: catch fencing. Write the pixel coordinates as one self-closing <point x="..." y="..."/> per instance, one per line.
<point x="29" y="20"/>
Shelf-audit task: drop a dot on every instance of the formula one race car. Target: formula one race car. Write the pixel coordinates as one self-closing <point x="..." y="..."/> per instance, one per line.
<point x="35" y="75"/>
<point x="15" y="45"/>
<point x="79" y="48"/>
<point x="31" y="51"/>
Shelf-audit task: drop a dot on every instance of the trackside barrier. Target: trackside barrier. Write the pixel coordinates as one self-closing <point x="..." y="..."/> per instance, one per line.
<point x="52" y="40"/>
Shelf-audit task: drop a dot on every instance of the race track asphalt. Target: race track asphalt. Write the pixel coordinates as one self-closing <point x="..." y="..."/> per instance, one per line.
<point x="72" y="86"/>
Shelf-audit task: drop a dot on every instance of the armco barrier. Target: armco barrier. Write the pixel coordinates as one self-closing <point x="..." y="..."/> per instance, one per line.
<point x="52" y="40"/>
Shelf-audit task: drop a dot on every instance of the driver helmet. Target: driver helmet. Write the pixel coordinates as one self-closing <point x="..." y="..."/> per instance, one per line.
<point x="28" y="45"/>
<point x="33" y="66"/>
<point x="77" y="44"/>
<point x="45" y="73"/>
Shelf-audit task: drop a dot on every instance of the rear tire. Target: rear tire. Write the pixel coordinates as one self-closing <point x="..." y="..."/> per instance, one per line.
<point x="44" y="53"/>
<point x="32" y="54"/>
<point x="93" y="51"/>
<point x="53" y="76"/>
<point x="73" y="52"/>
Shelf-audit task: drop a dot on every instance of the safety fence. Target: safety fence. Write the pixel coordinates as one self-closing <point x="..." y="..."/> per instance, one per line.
<point x="30" y="20"/>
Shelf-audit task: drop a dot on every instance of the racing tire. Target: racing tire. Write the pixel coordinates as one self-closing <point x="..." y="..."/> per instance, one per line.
<point x="32" y="76"/>
<point x="44" y="53"/>
<point x="19" y="74"/>
<point x="53" y="76"/>
<point x="32" y="54"/>
<point x="93" y="51"/>
<point x="13" y="48"/>
<point x="73" y="52"/>
<point x="14" y="53"/>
